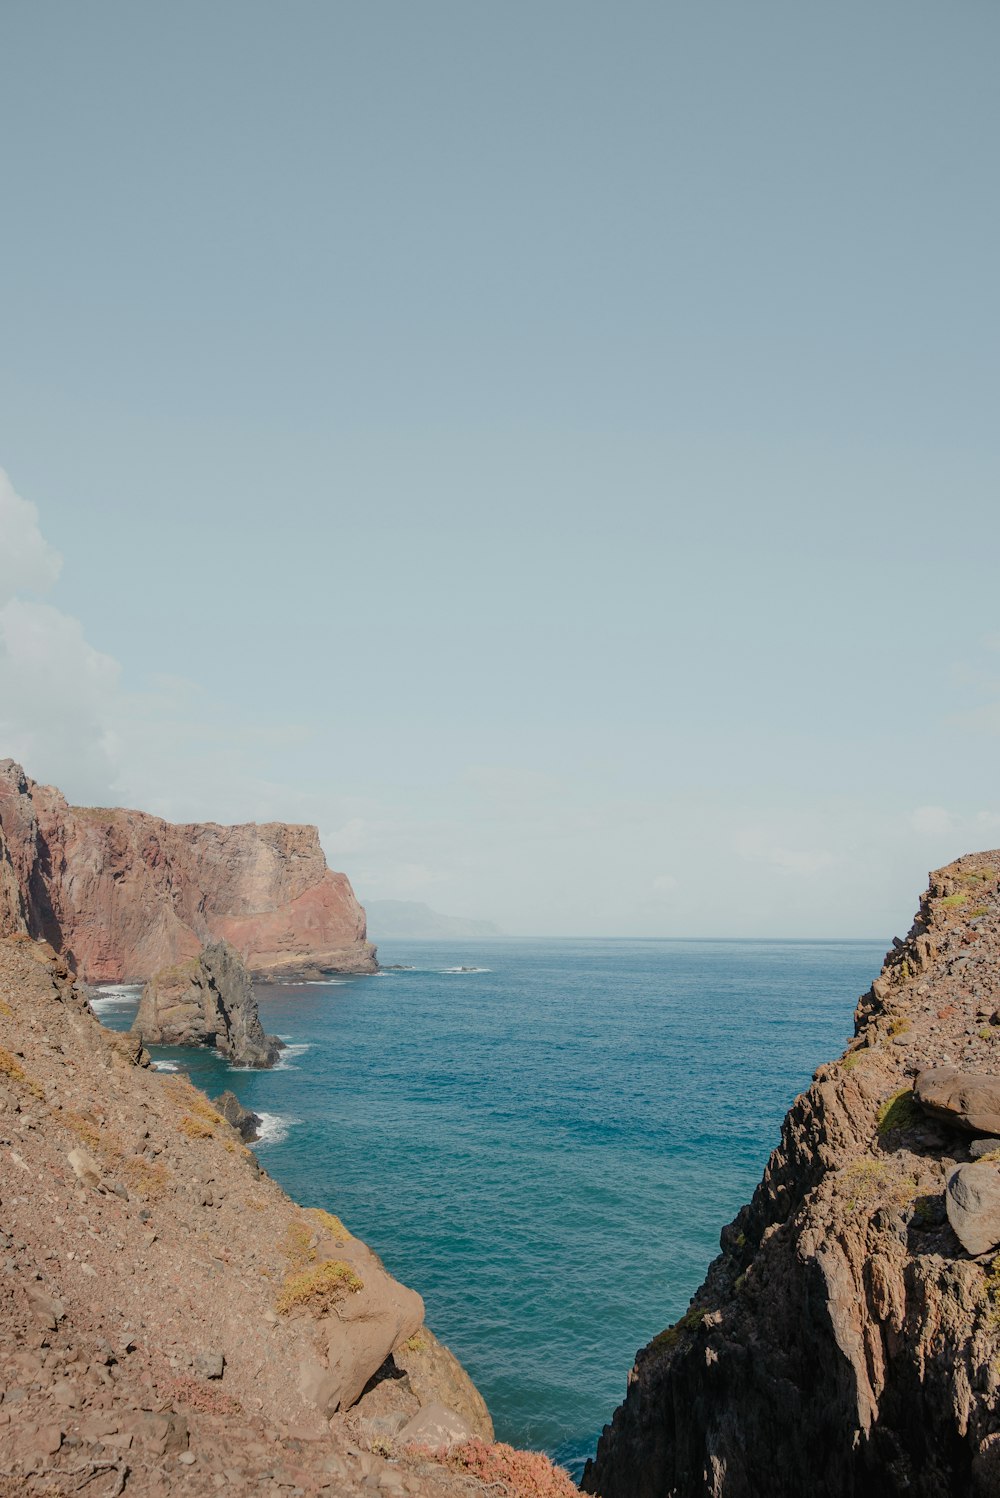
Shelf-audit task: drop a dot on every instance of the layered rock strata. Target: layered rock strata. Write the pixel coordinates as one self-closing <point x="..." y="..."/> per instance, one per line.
<point x="169" y="1320"/>
<point x="845" y="1343"/>
<point x="208" y="1000"/>
<point x="122" y="894"/>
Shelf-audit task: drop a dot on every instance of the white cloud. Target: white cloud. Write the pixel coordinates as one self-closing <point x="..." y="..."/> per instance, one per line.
<point x="932" y="821"/>
<point x="57" y="698"/>
<point x="27" y="562"/>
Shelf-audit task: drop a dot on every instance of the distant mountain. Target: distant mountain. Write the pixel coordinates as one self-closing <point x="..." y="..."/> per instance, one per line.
<point x="393" y="920"/>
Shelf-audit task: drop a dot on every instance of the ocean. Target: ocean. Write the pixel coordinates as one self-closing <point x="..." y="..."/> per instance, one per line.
<point x="542" y="1137"/>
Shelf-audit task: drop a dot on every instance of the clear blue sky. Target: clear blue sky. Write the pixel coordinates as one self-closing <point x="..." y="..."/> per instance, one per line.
<point x="552" y="446"/>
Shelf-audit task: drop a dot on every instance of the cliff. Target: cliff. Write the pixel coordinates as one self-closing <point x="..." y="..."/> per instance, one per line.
<point x="122" y="894"/>
<point x="169" y="1319"/>
<point x="206" y="1001"/>
<point x="845" y="1343"/>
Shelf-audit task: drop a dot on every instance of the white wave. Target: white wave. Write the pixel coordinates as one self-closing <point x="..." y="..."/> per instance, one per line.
<point x="166" y="1066"/>
<point x="284" y="1062"/>
<point x="274" y="1127"/>
<point x="115" y="996"/>
<point x="465" y="970"/>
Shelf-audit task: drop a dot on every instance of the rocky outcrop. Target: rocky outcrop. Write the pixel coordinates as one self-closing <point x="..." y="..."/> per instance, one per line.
<point x="122" y="894"/>
<point x="206" y="1001"/>
<point x="846" y="1343"/>
<point x="171" y="1322"/>
<point x="243" y="1120"/>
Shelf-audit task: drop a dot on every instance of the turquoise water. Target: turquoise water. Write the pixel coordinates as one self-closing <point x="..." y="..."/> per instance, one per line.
<point x="546" y="1147"/>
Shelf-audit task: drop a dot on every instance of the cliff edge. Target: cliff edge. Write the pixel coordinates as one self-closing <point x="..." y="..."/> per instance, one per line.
<point x="122" y="894"/>
<point x="845" y="1343"/>
<point x="169" y="1320"/>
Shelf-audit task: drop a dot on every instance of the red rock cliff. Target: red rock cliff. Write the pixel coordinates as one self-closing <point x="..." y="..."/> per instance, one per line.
<point x="122" y="894"/>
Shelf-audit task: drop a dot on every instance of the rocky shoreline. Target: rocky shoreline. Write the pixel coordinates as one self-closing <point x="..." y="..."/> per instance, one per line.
<point x="171" y="1321"/>
<point x="846" y="1342"/>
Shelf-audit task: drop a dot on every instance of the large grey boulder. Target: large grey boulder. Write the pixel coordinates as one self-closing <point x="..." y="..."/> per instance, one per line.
<point x="967" y="1100"/>
<point x="973" y="1203"/>
<point x="208" y="1000"/>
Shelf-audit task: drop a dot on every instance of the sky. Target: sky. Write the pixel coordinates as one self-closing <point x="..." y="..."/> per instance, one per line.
<point x="552" y="447"/>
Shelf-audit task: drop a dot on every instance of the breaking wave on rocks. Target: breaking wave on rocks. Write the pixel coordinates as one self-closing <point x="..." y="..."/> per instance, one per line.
<point x="166" y="1066"/>
<point x="274" y="1128"/>
<point x="112" y="997"/>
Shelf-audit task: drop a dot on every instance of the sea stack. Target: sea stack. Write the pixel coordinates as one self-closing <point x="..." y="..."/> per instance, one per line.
<point x="846" y="1342"/>
<point x="208" y="1000"/>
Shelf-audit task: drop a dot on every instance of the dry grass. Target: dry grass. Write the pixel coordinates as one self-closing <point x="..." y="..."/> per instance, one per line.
<point x="12" y="1068"/>
<point x="869" y="1183"/>
<point x="318" y="1289"/>
<point x="328" y="1224"/>
<point x="196" y="1128"/>
<point x="150" y="1181"/>
<point x="82" y="1125"/>
<point x="299" y="1247"/>
<point x="186" y="1096"/>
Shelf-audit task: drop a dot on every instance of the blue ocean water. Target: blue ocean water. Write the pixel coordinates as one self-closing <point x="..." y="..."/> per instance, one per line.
<point x="545" y="1147"/>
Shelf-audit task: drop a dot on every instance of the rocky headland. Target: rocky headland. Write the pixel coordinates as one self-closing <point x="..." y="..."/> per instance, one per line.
<point x="122" y="894"/>
<point x="171" y="1322"/>
<point x="207" y="1000"/>
<point x="846" y="1342"/>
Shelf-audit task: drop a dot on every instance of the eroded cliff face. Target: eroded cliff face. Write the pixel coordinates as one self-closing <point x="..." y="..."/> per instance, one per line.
<point x="123" y="894"/>
<point x="170" y="1322"/>
<point x="844" y="1343"/>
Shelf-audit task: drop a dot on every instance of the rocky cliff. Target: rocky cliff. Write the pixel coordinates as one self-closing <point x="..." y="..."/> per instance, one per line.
<point x="122" y="894"/>
<point x="207" y="1000"/>
<point x="170" y="1322"/>
<point x="846" y="1343"/>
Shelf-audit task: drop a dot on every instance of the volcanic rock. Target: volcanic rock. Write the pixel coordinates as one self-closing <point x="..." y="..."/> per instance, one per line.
<point x="244" y="1121"/>
<point x="843" y="1344"/>
<point x="206" y="1001"/>
<point x="973" y="1203"/>
<point x="968" y="1100"/>
<point x="123" y="894"/>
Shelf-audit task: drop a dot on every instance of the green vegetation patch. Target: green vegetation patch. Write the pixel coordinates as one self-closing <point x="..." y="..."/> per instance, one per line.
<point x="689" y="1322"/>
<point x="952" y="902"/>
<point x="900" y="1111"/>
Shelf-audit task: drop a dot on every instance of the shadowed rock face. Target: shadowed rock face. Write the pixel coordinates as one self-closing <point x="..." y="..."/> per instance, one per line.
<point x="845" y="1344"/>
<point x="122" y="894"/>
<point x="207" y="1001"/>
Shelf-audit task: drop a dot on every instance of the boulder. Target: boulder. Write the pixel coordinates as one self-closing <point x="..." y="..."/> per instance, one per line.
<point x="967" y="1100"/>
<point x="985" y="1146"/>
<point x="973" y="1203"/>
<point x="244" y="1121"/>
<point x="208" y="1000"/>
